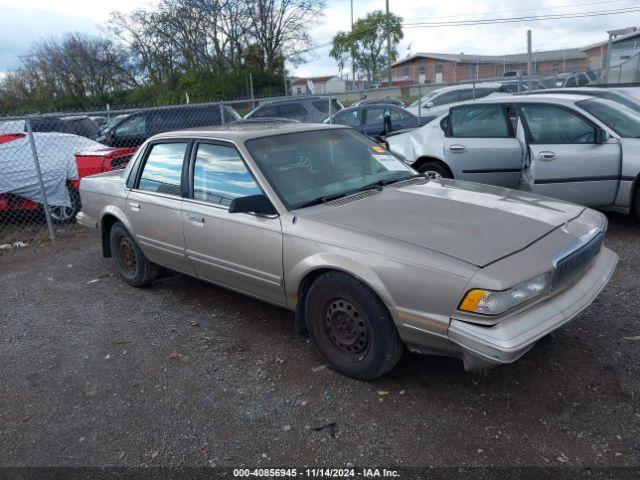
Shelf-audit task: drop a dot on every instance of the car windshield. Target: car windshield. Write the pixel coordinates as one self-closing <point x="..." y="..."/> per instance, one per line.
<point x="114" y="120"/>
<point x="621" y="119"/>
<point x="306" y="168"/>
<point x="624" y="99"/>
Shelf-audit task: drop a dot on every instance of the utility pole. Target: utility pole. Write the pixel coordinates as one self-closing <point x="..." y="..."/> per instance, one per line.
<point x="353" y="54"/>
<point x="529" y="60"/>
<point x="388" y="44"/>
<point x="609" y="42"/>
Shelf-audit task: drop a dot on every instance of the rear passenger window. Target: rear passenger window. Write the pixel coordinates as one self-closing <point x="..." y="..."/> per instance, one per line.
<point x="485" y="121"/>
<point x="219" y="175"/>
<point x="163" y="169"/>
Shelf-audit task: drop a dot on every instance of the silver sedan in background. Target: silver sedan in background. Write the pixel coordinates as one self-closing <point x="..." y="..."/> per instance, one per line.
<point x="572" y="147"/>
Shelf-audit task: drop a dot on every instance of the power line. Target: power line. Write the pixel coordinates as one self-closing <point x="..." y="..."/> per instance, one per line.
<point x="556" y="7"/>
<point x="530" y="18"/>
<point x="491" y="21"/>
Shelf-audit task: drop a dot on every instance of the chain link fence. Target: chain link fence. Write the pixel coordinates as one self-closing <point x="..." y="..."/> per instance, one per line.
<point x="44" y="157"/>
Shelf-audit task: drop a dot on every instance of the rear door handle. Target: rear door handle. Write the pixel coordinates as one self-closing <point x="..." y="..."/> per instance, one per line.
<point x="456" y="148"/>
<point x="134" y="206"/>
<point x="196" y="219"/>
<point x="546" y="155"/>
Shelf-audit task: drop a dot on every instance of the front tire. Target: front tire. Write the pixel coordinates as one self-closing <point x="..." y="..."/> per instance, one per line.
<point x="131" y="264"/>
<point x="351" y="327"/>
<point x="434" y="170"/>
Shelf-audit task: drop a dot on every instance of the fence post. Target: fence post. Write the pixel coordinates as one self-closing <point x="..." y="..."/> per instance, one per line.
<point x="36" y="160"/>
<point x="222" y="119"/>
<point x="419" y="101"/>
<point x="330" y="119"/>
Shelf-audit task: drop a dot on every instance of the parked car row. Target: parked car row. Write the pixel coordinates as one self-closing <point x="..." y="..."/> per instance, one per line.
<point x="578" y="148"/>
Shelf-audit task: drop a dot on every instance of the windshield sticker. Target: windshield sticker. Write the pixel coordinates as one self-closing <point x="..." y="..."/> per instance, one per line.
<point x="391" y="163"/>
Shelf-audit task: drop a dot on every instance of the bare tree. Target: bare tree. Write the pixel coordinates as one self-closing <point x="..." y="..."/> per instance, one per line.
<point x="281" y="28"/>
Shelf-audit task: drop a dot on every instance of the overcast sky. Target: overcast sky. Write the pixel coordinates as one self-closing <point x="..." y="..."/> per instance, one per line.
<point x="27" y="20"/>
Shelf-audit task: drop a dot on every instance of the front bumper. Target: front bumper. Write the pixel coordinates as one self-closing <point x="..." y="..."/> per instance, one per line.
<point x="505" y="342"/>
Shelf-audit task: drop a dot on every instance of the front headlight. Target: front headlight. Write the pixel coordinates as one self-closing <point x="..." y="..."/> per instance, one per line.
<point x="488" y="302"/>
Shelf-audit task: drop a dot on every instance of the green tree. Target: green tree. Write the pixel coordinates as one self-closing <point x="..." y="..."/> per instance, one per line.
<point x="366" y="45"/>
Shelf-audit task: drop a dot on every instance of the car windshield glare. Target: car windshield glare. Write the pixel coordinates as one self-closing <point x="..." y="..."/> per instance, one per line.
<point x="308" y="167"/>
<point x="621" y="119"/>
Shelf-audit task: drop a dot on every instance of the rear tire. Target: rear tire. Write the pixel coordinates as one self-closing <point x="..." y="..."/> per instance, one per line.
<point x="636" y="203"/>
<point x="66" y="215"/>
<point x="131" y="264"/>
<point x="351" y="327"/>
<point x="434" y="170"/>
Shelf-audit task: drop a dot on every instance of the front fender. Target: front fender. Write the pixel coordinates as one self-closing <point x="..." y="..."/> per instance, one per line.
<point x="334" y="261"/>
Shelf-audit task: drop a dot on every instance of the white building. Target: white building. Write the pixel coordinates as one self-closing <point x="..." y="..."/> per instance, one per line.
<point x="318" y="85"/>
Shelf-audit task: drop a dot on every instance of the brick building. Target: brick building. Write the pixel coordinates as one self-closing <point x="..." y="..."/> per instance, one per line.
<point x="454" y="68"/>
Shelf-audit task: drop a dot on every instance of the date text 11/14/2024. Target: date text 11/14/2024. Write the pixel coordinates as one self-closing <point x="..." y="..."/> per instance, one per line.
<point x="316" y="472"/>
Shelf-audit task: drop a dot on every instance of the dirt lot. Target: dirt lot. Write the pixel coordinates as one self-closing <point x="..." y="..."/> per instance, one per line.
<point x="97" y="373"/>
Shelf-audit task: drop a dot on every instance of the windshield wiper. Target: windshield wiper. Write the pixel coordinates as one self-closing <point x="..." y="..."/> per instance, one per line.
<point x="329" y="198"/>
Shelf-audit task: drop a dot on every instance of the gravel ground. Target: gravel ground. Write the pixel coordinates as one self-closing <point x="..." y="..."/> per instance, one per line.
<point x="96" y="373"/>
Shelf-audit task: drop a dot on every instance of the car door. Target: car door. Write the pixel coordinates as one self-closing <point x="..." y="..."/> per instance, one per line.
<point x="564" y="159"/>
<point x="242" y="251"/>
<point x="480" y="145"/>
<point x="154" y="204"/>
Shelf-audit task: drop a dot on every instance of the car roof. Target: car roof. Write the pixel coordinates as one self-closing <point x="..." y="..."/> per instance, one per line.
<point x="240" y="132"/>
<point x="465" y="86"/>
<point x="290" y="100"/>
<point x="563" y="98"/>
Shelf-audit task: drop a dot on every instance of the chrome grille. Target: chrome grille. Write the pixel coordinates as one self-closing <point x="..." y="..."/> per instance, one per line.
<point x="573" y="265"/>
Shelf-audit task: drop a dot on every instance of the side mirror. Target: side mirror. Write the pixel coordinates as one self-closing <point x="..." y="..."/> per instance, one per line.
<point x="252" y="204"/>
<point x="601" y="135"/>
<point x="429" y="104"/>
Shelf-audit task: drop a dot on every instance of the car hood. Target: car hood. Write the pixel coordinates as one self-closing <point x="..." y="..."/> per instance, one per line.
<point x="475" y="223"/>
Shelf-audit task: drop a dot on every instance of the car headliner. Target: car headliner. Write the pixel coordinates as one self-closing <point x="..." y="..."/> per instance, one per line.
<point x="240" y="132"/>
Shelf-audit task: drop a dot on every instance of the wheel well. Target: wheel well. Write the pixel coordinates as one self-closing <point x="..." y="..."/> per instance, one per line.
<point x="107" y="223"/>
<point x="422" y="160"/>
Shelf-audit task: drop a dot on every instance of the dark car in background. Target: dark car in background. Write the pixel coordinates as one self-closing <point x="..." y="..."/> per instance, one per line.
<point x="563" y="80"/>
<point x="131" y="130"/>
<point x="370" y="119"/>
<point x="305" y="110"/>
<point x="76" y="125"/>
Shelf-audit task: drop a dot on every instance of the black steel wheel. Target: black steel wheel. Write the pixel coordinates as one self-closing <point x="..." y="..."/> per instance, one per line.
<point x="130" y="262"/>
<point x="351" y="327"/>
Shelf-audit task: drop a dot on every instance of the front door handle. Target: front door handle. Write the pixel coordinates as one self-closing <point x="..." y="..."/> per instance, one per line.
<point x="134" y="206"/>
<point x="196" y="219"/>
<point x="457" y="148"/>
<point x="546" y="155"/>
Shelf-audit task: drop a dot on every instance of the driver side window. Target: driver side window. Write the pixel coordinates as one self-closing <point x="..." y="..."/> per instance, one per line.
<point x="552" y="125"/>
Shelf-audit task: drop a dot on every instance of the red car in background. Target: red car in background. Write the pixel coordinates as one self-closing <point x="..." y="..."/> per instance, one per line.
<point x="96" y="159"/>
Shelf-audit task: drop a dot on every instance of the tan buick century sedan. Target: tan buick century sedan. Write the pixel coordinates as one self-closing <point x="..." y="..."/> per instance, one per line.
<point x="370" y="255"/>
